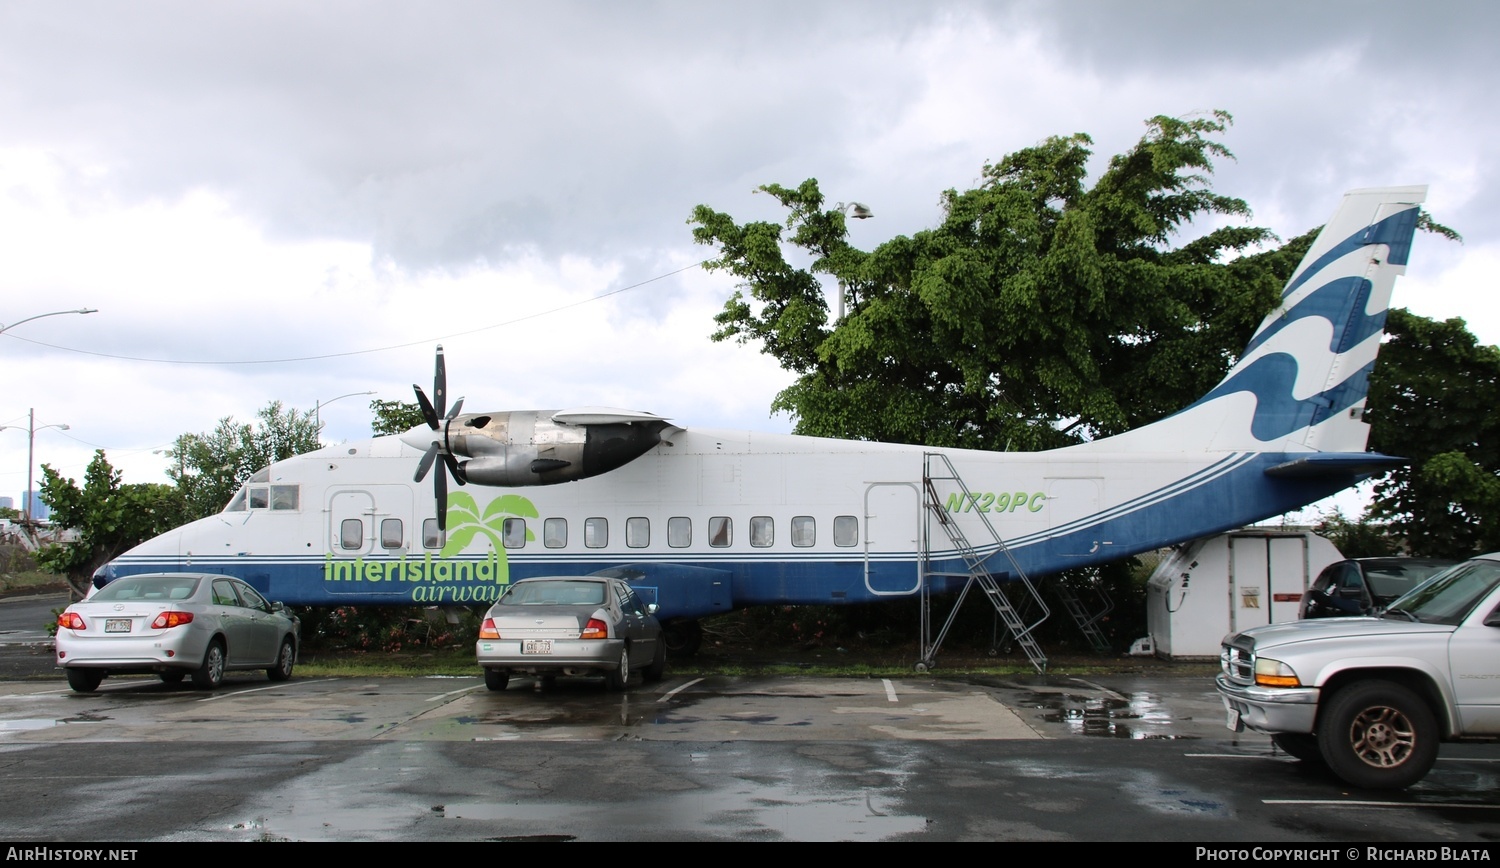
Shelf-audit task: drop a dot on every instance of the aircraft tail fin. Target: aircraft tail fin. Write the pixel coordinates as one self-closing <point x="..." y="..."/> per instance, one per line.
<point x="1302" y="381"/>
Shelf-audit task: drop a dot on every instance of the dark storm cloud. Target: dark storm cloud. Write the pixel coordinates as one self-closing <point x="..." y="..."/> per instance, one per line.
<point x="445" y="132"/>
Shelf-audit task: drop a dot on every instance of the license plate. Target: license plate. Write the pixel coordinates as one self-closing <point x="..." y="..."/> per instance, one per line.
<point x="1232" y="718"/>
<point x="536" y="646"/>
<point x="117" y="625"/>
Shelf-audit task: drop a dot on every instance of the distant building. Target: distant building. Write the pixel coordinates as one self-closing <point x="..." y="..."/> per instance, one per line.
<point x="7" y="502"/>
<point x="39" y="510"/>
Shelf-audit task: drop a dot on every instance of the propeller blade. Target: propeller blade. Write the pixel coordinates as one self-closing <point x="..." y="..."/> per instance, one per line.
<point x="456" y="469"/>
<point x="426" y="463"/>
<point x="457" y="406"/>
<point x="440" y="493"/>
<point x="440" y="383"/>
<point x="429" y="414"/>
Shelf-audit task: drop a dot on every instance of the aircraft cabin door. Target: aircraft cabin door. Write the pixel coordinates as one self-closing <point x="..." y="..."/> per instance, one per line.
<point x="351" y="523"/>
<point x="893" y="538"/>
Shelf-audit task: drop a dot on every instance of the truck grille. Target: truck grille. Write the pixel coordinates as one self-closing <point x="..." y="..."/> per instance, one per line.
<point x="1237" y="659"/>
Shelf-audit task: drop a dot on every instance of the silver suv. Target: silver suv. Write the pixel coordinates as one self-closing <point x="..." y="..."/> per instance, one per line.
<point x="1373" y="696"/>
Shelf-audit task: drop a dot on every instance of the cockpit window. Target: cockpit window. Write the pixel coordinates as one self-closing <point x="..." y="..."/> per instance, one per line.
<point x="274" y="497"/>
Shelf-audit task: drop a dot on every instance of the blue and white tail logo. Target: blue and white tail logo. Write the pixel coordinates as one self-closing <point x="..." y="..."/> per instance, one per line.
<point x="1301" y="383"/>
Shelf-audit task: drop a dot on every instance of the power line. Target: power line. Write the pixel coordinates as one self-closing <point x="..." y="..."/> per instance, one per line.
<point x="602" y="295"/>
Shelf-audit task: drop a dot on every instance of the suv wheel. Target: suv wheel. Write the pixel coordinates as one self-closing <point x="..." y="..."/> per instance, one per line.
<point x="1378" y="735"/>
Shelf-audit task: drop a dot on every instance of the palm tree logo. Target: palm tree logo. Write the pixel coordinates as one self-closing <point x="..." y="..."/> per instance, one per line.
<point x="465" y="522"/>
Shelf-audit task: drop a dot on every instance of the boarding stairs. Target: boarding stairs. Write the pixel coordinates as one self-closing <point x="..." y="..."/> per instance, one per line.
<point x="937" y="469"/>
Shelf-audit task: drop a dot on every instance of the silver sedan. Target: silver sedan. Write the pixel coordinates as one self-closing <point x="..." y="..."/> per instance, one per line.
<point x="570" y="625"/>
<point x="175" y="625"/>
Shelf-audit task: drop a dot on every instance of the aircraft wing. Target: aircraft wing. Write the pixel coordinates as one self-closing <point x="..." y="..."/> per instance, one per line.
<point x="603" y="416"/>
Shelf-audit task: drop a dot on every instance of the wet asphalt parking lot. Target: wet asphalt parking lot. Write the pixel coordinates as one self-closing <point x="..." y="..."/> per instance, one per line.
<point x="926" y="757"/>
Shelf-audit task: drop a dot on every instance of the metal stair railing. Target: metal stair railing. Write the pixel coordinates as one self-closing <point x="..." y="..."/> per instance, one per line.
<point x="977" y="572"/>
<point x="1087" y="623"/>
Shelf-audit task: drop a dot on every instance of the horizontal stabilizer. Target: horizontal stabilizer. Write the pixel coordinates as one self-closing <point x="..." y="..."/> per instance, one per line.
<point x="1325" y="464"/>
<point x="603" y="416"/>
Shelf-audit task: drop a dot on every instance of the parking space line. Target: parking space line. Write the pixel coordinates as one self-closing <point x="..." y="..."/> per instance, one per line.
<point x="1341" y="803"/>
<point x="281" y="686"/>
<point x="890" y="690"/>
<point x="671" y="693"/>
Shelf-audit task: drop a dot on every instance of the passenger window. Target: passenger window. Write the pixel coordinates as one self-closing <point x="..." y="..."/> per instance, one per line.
<point x="251" y="599"/>
<point x="513" y="533"/>
<point x="596" y="532"/>
<point x="762" y="531"/>
<point x="804" y="531"/>
<point x="431" y="537"/>
<point x="555" y="533"/>
<point x="845" y="530"/>
<point x="392" y="534"/>
<point x="679" y="532"/>
<point x="284" y="496"/>
<point x="224" y="593"/>
<point x="638" y="532"/>
<point x="352" y="533"/>
<point x="259" y="497"/>
<point x="720" y="531"/>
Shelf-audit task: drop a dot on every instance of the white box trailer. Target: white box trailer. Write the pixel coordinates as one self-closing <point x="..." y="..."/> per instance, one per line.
<point x="1219" y="584"/>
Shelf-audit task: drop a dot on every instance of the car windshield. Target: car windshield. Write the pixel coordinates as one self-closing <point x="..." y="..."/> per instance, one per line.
<point x="1390" y="580"/>
<point x="148" y="588"/>
<point x="554" y="594"/>
<point x="1449" y="597"/>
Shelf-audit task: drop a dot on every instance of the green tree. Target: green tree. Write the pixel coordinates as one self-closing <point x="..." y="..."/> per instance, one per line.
<point x="209" y="468"/>
<point x="394" y="417"/>
<point x="1432" y="400"/>
<point x="1041" y="311"/>
<point x="109" y="518"/>
<point x="10" y="513"/>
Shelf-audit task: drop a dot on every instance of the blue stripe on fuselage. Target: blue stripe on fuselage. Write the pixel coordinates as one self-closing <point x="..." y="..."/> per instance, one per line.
<point x="1201" y="504"/>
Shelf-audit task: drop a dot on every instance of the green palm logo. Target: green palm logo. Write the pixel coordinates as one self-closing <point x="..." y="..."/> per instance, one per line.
<point x="465" y="522"/>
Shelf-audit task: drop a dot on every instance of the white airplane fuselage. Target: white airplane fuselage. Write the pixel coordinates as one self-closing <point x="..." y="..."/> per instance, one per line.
<point x="710" y="520"/>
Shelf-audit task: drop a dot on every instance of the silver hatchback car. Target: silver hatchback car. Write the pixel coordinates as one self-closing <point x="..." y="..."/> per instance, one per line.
<point x="175" y="625"/>
<point x="570" y="625"/>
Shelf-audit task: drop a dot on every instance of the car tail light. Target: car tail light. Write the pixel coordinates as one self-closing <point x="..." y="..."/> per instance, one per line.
<point x="487" y="630"/>
<point x="595" y="629"/>
<point x="70" y="621"/>
<point x="172" y="619"/>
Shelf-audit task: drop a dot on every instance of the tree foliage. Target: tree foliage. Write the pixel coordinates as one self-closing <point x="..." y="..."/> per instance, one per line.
<point x="1039" y="312"/>
<point x="1432" y="400"/>
<point x="394" y="417"/>
<point x="109" y="518"/>
<point x="209" y="468"/>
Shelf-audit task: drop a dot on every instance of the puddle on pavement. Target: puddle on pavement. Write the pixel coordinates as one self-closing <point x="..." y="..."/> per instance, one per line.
<point x="1134" y="716"/>
<point x="744" y="809"/>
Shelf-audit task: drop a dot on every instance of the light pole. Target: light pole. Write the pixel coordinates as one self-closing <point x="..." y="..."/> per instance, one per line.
<point x="5" y="328"/>
<point x="31" y="429"/>
<point x="318" y="408"/>
<point x="858" y="211"/>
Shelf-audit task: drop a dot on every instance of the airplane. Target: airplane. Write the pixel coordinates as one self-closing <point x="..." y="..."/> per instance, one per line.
<point x="708" y="521"/>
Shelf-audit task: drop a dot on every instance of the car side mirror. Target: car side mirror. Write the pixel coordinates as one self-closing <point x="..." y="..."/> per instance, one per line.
<point x="651" y="608"/>
<point x="1493" y="620"/>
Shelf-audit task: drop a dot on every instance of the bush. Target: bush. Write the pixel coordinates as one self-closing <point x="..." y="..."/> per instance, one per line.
<point x="386" y="628"/>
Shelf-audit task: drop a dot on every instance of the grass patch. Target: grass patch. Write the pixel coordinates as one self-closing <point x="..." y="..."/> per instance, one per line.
<point x="31" y="582"/>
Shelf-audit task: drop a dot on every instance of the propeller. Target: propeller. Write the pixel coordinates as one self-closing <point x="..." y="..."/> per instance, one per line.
<point x="436" y="420"/>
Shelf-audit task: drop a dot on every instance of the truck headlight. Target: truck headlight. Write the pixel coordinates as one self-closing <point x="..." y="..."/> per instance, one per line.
<point x="1274" y="673"/>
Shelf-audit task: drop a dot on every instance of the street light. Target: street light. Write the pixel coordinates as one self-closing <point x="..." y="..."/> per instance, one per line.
<point x="31" y="429"/>
<point x="318" y="407"/>
<point x="5" y="328"/>
<point x="858" y="211"/>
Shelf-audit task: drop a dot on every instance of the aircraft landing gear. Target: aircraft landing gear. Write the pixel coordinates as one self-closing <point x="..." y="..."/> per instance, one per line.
<point x="682" y="638"/>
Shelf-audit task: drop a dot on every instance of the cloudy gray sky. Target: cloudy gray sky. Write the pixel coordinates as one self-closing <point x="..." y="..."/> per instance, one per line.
<point x="294" y="201"/>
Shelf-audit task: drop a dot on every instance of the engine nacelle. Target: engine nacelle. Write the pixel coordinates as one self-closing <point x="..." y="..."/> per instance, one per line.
<point x="537" y="447"/>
